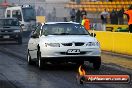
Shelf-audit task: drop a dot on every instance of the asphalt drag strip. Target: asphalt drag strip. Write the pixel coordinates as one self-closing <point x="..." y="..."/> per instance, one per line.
<point x="5" y="83"/>
<point x="13" y="66"/>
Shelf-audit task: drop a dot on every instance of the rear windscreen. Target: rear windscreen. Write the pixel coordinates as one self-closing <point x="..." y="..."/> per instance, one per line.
<point x="9" y="22"/>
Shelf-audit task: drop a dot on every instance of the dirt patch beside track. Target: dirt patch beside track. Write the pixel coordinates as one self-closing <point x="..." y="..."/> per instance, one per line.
<point x="121" y="61"/>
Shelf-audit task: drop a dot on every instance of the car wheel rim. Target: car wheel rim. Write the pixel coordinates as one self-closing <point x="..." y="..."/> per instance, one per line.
<point x="39" y="62"/>
<point x="28" y="58"/>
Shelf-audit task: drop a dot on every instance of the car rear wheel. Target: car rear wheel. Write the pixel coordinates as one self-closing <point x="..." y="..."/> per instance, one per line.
<point x="97" y="63"/>
<point x="29" y="60"/>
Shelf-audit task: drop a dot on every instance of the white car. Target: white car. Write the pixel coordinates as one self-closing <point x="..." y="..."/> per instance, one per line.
<point x="58" y="42"/>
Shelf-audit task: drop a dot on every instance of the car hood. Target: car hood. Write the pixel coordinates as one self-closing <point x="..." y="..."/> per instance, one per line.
<point x="67" y="38"/>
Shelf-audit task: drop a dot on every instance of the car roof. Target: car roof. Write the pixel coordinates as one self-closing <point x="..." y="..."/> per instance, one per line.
<point x="61" y="23"/>
<point x="8" y="18"/>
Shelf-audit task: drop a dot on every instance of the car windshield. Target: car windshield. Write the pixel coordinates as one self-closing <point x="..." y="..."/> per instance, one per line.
<point x="9" y="22"/>
<point x="28" y="14"/>
<point x="64" y="29"/>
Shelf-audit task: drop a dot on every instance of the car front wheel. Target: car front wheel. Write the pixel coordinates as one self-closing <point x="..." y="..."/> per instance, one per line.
<point x="97" y="63"/>
<point x="40" y="61"/>
<point x="29" y="60"/>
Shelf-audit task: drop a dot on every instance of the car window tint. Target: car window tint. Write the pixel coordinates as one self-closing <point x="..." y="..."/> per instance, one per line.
<point x="66" y="29"/>
<point x="9" y="22"/>
<point x="57" y="30"/>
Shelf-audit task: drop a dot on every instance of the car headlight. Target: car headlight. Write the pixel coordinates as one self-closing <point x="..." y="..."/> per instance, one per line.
<point x="52" y="44"/>
<point x="16" y="31"/>
<point x="93" y="44"/>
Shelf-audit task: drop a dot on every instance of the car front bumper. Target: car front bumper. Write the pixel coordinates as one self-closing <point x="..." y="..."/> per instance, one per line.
<point x="11" y="35"/>
<point x="85" y="53"/>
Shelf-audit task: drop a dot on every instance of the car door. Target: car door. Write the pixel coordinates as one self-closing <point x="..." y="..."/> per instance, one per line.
<point x="33" y="43"/>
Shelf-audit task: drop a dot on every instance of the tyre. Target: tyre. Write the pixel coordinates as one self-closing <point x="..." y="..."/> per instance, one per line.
<point x="29" y="60"/>
<point x="97" y="63"/>
<point x="40" y="61"/>
<point x="19" y="40"/>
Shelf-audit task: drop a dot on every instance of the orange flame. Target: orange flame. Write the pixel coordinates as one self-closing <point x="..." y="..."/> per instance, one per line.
<point x="81" y="71"/>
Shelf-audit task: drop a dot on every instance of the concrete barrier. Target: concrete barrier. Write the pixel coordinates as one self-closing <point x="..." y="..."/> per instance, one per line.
<point x="110" y="27"/>
<point x="118" y="42"/>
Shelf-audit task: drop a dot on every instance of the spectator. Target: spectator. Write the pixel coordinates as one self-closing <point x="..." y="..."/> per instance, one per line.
<point x="72" y="14"/>
<point x="86" y="22"/>
<point x="104" y="16"/>
<point x="94" y="0"/>
<point x="111" y="0"/>
<point x="114" y="17"/>
<point x="38" y="11"/>
<point x="111" y="16"/>
<point x="49" y="17"/>
<point x="129" y="15"/>
<point x="120" y="16"/>
<point x="78" y="15"/>
<point x="83" y="12"/>
<point x="54" y="14"/>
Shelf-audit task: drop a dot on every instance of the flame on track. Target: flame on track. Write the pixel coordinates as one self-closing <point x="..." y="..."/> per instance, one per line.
<point x="81" y="71"/>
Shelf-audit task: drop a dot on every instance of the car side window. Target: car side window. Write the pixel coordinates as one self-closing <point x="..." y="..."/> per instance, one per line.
<point x="17" y="14"/>
<point x="44" y="31"/>
<point x="8" y="13"/>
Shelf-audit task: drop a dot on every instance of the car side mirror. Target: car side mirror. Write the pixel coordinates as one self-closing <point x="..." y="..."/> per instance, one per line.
<point x="35" y="36"/>
<point x="93" y="34"/>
